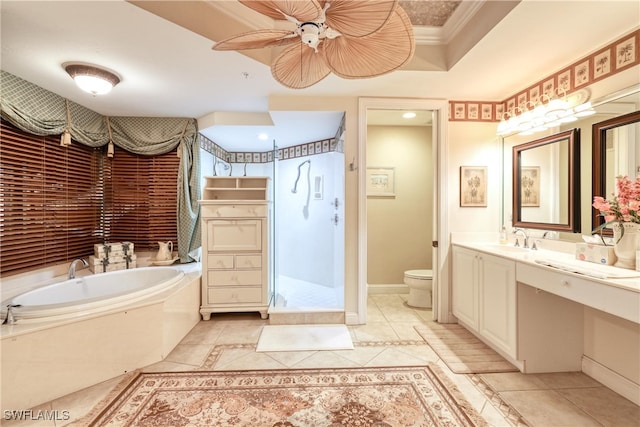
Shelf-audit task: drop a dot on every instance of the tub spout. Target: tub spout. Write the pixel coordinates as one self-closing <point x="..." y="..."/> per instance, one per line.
<point x="72" y="267"/>
<point x="10" y="319"/>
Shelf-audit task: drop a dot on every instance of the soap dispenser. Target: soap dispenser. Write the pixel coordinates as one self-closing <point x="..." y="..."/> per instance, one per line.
<point x="503" y="235"/>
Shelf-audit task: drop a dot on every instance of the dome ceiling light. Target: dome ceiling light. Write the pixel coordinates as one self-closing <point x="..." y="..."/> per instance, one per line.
<point x="91" y="79"/>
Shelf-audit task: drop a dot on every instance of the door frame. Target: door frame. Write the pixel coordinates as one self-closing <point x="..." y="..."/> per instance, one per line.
<point x="441" y="288"/>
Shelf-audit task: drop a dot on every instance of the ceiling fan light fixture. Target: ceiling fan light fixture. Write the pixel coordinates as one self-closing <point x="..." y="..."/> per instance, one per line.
<point x="351" y="39"/>
<point x="310" y="34"/>
<point x="91" y="79"/>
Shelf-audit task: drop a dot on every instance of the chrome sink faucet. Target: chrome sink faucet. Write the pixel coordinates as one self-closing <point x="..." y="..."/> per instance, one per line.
<point x="72" y="267"/>
<point x="526" y="237"/>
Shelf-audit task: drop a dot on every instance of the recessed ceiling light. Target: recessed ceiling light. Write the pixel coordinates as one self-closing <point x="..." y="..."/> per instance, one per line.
<point x="263" y="136"/>
<point x="409" y="115"/>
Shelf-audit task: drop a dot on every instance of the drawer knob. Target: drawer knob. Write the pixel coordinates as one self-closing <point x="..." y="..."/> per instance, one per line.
<point x="565" y="283"/>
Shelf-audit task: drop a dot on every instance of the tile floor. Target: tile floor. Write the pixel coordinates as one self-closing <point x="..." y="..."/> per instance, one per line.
<point x="227" y="342"/>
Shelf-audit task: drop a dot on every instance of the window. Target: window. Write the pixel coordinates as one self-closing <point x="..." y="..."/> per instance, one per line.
<point x="57" y="202"/>
<point x="50" y="200"/>
<point x="141" y="199"/>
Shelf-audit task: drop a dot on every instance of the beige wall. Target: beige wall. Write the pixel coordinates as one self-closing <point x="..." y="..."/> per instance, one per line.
<point x="475" y="144"/>
<point x="399" y="228"/>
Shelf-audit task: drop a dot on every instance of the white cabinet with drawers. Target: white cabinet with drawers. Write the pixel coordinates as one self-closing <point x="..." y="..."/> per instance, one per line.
<point x="234" y="246"/>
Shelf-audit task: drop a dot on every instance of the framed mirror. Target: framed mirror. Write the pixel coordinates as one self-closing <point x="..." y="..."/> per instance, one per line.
<point x="546" y="183"/>
<point x="616" y="151"/>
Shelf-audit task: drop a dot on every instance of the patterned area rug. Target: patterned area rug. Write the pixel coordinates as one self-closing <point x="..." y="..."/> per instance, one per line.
<point x="461" y="350"/>
<point x="406" y="396"/>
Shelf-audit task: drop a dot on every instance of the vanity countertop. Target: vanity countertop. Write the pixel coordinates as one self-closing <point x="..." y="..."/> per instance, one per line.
<point x="609" y="289"/>
<point x="563" y="262"/>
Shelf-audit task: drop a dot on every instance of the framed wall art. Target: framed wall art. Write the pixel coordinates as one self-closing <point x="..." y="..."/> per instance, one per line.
<point x="381" y="182"/>
<point x="473" y="186"/>
<point x="530" y="186"/>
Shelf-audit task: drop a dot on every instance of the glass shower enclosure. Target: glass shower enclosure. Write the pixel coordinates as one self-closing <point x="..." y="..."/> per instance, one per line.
<point x="307" y="227"/>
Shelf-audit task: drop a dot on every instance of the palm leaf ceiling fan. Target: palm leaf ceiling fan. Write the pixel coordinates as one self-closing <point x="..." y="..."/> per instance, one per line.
<point x="351" y="38"/>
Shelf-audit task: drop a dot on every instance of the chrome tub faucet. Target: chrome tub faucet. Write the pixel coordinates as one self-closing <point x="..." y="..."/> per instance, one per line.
<point x="72" y="267"/>
<point x="10" y="319"/>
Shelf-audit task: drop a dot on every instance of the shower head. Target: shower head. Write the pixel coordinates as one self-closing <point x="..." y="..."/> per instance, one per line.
<point x="295" y="185"/>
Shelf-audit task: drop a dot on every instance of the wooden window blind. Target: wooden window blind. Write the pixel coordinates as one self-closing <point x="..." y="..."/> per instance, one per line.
<point x="57" y="202"/>
<point x="141" y="199"/>
<point x="50" y="199"/>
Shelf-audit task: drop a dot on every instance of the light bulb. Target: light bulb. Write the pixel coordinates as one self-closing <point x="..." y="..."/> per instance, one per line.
<point x="93" y="85"/>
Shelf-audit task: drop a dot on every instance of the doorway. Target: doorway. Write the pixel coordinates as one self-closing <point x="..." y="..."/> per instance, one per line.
<point x="399" y="197"/>
<point x="438" y="110"/>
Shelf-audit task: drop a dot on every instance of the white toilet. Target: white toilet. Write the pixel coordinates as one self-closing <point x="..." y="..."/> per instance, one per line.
<point x="420" y="284"/>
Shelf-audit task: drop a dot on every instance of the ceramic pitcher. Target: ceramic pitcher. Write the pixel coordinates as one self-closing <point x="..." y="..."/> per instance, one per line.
<point x="164" y="251"/>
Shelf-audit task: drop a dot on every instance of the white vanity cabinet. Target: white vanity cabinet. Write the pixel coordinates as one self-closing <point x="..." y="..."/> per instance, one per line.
<point x="465" y="286"/>
<point x="484" y="297"/>
<point x="234" y="246"/>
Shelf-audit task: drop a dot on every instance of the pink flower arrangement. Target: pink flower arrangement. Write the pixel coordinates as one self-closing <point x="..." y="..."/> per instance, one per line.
<point x="624" y="207"/>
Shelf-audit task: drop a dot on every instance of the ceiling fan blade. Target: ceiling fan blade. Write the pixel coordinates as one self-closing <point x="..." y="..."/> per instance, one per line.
<point x="358" y="18"/>
<point x="298" y="67"/>
<point x="303" y="11"/>
<point x="257" y="39"/>
<point x="380" y="53"/>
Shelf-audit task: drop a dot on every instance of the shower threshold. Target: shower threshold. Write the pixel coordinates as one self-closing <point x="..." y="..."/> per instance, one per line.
<point x="305" y="316"/>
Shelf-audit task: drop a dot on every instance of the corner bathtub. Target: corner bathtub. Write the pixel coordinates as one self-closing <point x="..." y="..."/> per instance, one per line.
<point x="91" y="294"/>
<point x="77" y="333"/>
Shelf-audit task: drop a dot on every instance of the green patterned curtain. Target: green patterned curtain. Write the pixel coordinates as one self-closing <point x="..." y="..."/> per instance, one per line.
<point x="41" y="112"/>
<point x="189" y="192"/>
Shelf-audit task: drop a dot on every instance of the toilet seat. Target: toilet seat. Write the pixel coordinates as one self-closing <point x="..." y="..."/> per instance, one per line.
<point x="419" y="274"/>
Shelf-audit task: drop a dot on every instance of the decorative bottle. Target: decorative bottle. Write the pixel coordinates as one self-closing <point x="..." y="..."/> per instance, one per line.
<point x="503" y="235"/>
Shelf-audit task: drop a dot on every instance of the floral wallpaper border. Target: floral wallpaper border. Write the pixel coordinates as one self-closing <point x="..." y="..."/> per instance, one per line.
<point x="293" y="152"/>
<point x="603" y="63"/>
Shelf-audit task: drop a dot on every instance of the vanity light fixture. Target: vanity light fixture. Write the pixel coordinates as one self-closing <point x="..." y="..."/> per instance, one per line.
<point x="544" y="114"/>
<point x="91" y="79"/>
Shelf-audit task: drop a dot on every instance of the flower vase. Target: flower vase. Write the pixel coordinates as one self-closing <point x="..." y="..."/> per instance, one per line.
<point x="625" y="247"/>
